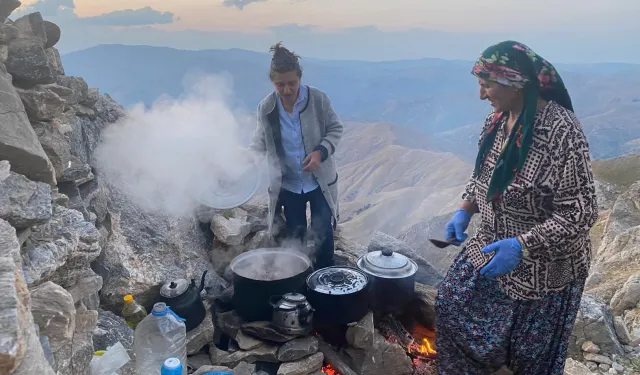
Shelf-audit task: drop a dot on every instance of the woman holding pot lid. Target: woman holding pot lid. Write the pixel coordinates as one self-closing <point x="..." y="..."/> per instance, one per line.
<point x="299" y="131"/>
<point x="511" y="297"/>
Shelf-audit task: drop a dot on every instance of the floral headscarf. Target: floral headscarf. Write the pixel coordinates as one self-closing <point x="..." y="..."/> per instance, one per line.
<point x="515" y="65"/>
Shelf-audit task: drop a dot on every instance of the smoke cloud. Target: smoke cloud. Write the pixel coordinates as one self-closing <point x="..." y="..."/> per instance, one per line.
<point x="178" y="153"/>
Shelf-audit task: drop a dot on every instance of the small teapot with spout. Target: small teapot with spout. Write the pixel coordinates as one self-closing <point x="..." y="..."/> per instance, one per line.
<point x="184" y="299"/>
<point x="292" y="313"/>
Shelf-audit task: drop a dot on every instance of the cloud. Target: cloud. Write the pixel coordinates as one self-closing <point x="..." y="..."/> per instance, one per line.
<point x="240" y="4"/>
<point x="64" y="11"/>
<point x="132" y="17"/>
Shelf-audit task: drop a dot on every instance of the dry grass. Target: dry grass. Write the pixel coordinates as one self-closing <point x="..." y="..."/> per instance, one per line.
<point x="622" y="171"/>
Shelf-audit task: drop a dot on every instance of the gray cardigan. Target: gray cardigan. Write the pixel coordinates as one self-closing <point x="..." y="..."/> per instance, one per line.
<point x="321" y="130"/>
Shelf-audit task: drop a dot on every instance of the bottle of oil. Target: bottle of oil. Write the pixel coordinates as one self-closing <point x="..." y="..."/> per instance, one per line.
<point x="132" y="311"/>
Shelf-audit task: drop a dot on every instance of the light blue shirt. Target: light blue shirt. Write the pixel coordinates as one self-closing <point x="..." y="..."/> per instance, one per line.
<point x="293" y="178"/>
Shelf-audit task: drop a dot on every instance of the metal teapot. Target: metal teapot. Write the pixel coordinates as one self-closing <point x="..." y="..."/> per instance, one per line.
<point x="184" y="299"/>
<point x="292" y="313"/>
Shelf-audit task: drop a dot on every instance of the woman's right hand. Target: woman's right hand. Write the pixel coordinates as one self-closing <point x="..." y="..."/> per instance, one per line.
<point x="456" y="227"/>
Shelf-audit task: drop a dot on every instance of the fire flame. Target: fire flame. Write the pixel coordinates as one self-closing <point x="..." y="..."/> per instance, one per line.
<point x="329" y="370"/>
<point x="426" y="348"/>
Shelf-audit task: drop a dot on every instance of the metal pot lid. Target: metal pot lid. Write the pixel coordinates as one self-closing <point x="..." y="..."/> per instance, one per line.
<point x="174" y="288"/>
<point x="225" y="191"/>
<point x="337" y="280"/>
<point x="387" y="264"/>
<point x="294" y="297"/>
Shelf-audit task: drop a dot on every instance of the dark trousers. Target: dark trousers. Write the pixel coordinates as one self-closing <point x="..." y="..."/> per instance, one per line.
<point x="295" y="213"/>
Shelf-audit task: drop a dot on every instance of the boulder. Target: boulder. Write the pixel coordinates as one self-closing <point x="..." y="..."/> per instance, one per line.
<point x="21" y="352"/>
<point x="18" y="141"/>
<point x="145" y="250"/>
<point x="7" y="7"/>
<point x="627" y="297"/>
<point x="52" y="31"/>
<point x="27" y="61"/>
<point x="297" y="349"/>
<point x="40" y="103"/>
<point x="302" y="366"/>
<point x="360" y="335"/>
<point x="54" y="60"/>
<point x="381" y="358"/>
<point x="573" y="367"/>
<point x="79" y="89"/>
<point x="24" y="203"/>
<point x="265" y="352"/>
<point x="61" y="249"/>
<point x="55" y="144"/>
<point x="231" y="227"/>
<point x="54" y="312"/>
<point x="594" y="323"/>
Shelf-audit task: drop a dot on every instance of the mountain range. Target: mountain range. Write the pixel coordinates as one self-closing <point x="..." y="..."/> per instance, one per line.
<point x="435" y="97"/>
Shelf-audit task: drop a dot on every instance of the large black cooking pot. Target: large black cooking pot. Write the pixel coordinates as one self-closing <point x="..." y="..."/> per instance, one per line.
<point x="339" y="295"/>
<point x="392" y="278"/>
<point x="262" y="273"/>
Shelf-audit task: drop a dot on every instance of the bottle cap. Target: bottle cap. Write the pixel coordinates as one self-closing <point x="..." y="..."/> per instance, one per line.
<point x="171" y="366"/>
<point x="128" y="298"/>
<point x="159" y="309"/>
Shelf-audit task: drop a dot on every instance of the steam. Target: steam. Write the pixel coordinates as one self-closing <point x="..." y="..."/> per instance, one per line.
<point x="180" y="151"/>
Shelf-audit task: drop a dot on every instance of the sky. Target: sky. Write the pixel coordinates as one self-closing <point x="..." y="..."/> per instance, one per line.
<point x="576" y="31"/>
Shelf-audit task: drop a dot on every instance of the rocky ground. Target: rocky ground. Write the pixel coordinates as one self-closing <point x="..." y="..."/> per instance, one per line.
<point x="71" y="245"/>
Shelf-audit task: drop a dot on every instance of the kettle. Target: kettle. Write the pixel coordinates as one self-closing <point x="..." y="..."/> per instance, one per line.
<point x="184" y="299"/>
<point x="292" y="314"/>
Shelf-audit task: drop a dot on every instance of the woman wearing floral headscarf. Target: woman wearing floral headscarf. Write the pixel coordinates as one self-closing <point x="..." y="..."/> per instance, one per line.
<point x="511" y="296"/>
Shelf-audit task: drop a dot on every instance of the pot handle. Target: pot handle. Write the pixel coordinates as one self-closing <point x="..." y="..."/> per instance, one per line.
<point x="273" y="300"/>
<point x="202" y="280"/>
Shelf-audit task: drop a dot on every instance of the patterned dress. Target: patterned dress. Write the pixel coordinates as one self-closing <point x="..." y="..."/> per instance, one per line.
<point x="524" y="318"/>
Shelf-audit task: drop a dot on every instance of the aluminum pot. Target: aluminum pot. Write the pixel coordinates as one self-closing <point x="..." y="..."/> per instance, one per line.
<point x="392" y="279"/>
<point x="339" y="295"/>
<point x="262" y="273"/>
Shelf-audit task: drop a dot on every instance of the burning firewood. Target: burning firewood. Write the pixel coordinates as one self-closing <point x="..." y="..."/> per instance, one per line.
<point x="330" y="355"/>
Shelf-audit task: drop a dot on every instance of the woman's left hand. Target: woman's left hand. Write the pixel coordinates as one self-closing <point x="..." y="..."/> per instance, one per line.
<point x="312" y="161"/>
<point x="508" y="253"/>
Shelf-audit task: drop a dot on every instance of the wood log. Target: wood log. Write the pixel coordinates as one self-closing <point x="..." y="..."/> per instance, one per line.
<point x="333" y="358"/>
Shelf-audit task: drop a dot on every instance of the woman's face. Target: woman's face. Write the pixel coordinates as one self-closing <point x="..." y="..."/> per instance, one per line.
<point x="502" y="98"/>
<point x="287" y="85"/>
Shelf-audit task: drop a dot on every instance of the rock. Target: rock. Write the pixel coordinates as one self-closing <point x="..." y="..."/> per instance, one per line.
<point x="76" y="172"/>
<point x="54" y="312"/>
<point x="95" y="197"/>
<point x="246" y="342"/>
<point x="618" y="367"/>
<point x="604" y="367"/>
<point x="360" y="334"/>
<point x="27" y="61"/>
<point x="13" y="292"/>
<point x="627" y="297"/>
<point x="18" y="141"/>
<point x="7" y="7"/>
<point x="265" y="352"/>
<point x="594" y="322"/>
<point x="21" y="352"/>
<point x="231" y="230"/>
<point x="82" y="348"/>
<point x="55" y="144"/>
<point x="621" y="330"/>
<point x="202" y="335"/>
<point x="111" y="329"/>
<point x="145" y="250"/>
<point x="382" y="358"/>
<point x="55" y="62"/>
<point x="197" y="361"/>
<point x="41" y="104"/>
<point x="205" y="369"/>
<point x="298" y="348"/>
<point x="53" y="34"/>
<point x="590" y="347"/>
<point x="24" y="203"/>
<point x="302" y="366"/>
<point x="266" y="331"/>
<point x="426" y="274"/>
<point x="229" y="322"/>
<point x="592" y="366"/>
<point x="5" y="170"/>
<point x="261" y="239"/>
<point x="77" y="85"/>
<point x="61" y="249"/>
<point x="598" y="358"/>
<point x="92" y="97"/>
<point x="87" y="285"/>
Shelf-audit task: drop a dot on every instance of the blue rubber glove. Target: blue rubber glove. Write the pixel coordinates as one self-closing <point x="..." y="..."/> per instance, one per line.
<point x="508" y="253"/>
<point x="456" y="226"/>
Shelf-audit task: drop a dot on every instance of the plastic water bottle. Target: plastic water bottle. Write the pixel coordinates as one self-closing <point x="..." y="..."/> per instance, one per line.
<point x="171" y="366"/>
<point x="161" y="335"/>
